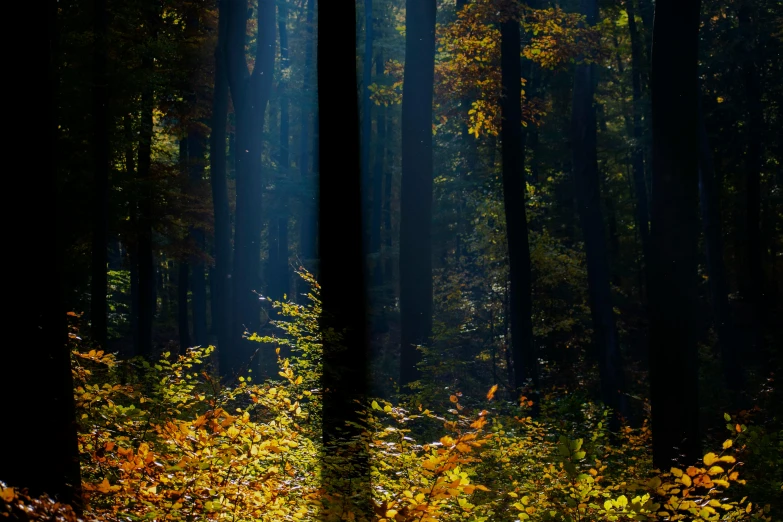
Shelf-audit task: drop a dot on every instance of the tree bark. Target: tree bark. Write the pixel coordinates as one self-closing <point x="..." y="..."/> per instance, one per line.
<point x="101" y="125"/>
<point x="307" y="229"/>
<point x="606" y="347"/>
<point x="674" y="233"/>
<point x="221" y="298"/>
<point x="713" y="242"/>
<point x="147" y="298"/>
<point x="637" y="152"/>
<point x="417" y="180"/>
<point x="342" y="264"/>
<point x="250" y="95"/>
<point x="513" y="161"/>
<point x="377" y="182"/>
<point x="366" y="120"/>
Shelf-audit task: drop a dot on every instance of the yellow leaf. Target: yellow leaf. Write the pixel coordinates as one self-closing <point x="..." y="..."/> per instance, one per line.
<point x="686" y="480"/>
<point x="492" y="391"/>
<point x="104" y="486"/>
<point x="676" y="472"/>
<point x="710" y="459"/>
<point x="728" y="458"/>
<point x="714" y="470"/>
<point x="7" y="494"/>
<point x="727" y="444"/>
<point x="390" y="513"/>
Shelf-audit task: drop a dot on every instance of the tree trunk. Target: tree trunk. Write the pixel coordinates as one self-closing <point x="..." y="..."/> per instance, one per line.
<point x="513" y="160"/>
<point x="182" y="306"/>
<point x="672" y="287"/>
<point x="280" y="278"/>
<point x="606" y="347"/>
<point x="637" y="152"/>
<point x="416" y="195"/>
<point x="307" y="229"/>
<point x="147" y="299"/>
<point x="366" y="120"/>
<point x="388" y="235"/>
<point x="342" y="264"/>
<point x="250" y="95"/>
<point x="713" y="240"/>
<point x="40" y="372"/>
<point x="101" y="125"/>
<point x="752" y="279"/>
<point x="198" y="282"/>
<point x="377" y="183"/>
<point x="221" y="298"/>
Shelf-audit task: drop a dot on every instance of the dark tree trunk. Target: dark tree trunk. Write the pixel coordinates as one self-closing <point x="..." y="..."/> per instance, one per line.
<point x="221" y="298"/>
<point x="468" y="166"/>
<point x="606" y="347"/>
<point x="366" y="120"/>
<point x="198" y="282"/>
<point x="183" y="325"/>
<point x="513" y="159"/>
<point x="250" y="94"/>
<point x="279" y="278"/>
<point x="307" y="229"/>
<point x="388" y="236"/>
<point x="377" y="183"/>
<point x="713" y="240"/>
<point x="147" y="299"/>
<point x="674" y="234"/>
<point x="101" y="125"/>
<point x="637" y="152"/>
<point x="416" y="195"/>
<point x="752" y="279"/>
<point x="342" y="266"/>
<point x="40" y="372"/>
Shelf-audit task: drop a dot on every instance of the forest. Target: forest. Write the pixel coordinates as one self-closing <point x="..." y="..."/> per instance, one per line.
<point x="400" y="261"/>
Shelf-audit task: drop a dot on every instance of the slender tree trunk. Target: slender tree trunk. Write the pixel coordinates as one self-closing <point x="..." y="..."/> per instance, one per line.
<point x="147" y="299"/>
<point x="513" y="160"/>
<point x="377" y="183"/>
<point x="674" y="234"/>
<point x="388" y="235"/>
<point x="195" y="171"/>
<point x="713" y="241"/>
<point x="606" y="347"/>
<point x="281" y="276"/>
<point x="366" y="120"/>
<point x="198" y="282"/>
<point x="416" y="195"/>
<point x="250" y="95"/>
<point x="637" y="152"/>
<point x="752" y="279"/>
<point x="101" y="125"/>
<point x="342" y="264"/>
<point x="183" y="325"/>
<point x="221" y="298"/>
<point x="307" y="229"/>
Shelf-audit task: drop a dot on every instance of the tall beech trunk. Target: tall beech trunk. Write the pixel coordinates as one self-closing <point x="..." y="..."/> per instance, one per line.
<point x="513" y="160"/>
<point x="250" y="95"/>
<point x="42" y="452"/>
<point x="147" y="297"/>
<point x="417" y="180"/>
<point x="709" y="197"/>
<point x="342" y="265"/>
<point x="388" y="236"/>
<point x="366" y="121"/>
<point x="674" y="234"/>
<point x="377" y="182"/>
<point x="606" y="347"/>
<point x="183" y="323"/>
<point x="221" y="298"/>
<point x="752" y="278"/>
<point x="638" y="65"/>
<point x="198" y="282"/>
<point x="101" y="155"/>
<point x="309" y="215"/>
<point x="280" y="277"/>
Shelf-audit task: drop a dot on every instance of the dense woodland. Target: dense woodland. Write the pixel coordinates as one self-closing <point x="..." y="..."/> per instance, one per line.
<point x="405" y="260"/>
